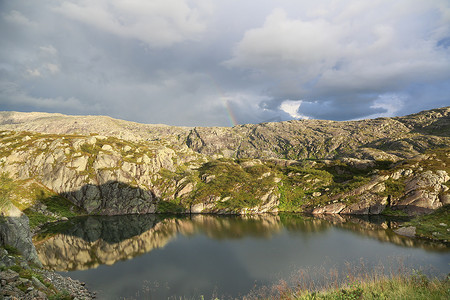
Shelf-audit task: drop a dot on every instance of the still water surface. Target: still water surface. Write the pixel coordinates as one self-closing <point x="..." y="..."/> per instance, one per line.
<point x="155" y="257"/>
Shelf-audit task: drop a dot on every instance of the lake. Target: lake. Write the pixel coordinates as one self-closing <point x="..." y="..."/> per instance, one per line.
<point x="156" y="256"/>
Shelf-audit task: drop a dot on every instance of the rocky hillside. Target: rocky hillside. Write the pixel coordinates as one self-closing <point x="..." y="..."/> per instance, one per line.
<point x="382" y="138"/>
<point x="70" y="165"/>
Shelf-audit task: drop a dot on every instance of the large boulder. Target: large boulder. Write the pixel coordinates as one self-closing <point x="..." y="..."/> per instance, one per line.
<point x="368" y="204"/>
<point x="424" y="193"/>
<point x="15" y="232"/>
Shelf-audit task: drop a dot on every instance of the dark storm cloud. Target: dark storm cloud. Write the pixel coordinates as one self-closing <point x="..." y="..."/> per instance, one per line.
<point x="211" y="62"/>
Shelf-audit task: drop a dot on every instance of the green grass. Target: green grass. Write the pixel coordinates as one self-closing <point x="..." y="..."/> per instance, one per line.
<point x="11" y="250"/>
<point x="394" y="213"/>
<point x="169" y="207"/>
<point x="62" y="207"/>
<point x="414" y="285"/>
<point x="64" y="295"/>
<point x="244" y="186"/>
<point x="393" y="188"/>
<point x="13" y="192"/>
<point x="7" y="185"/>
<point x="36" y="218"/>
<point x="55" y="204"/>
<point x="433" y="226"/>
<point x="291" y="197"/>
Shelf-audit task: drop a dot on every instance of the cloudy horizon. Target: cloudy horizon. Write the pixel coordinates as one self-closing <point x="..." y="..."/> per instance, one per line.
<point x="222" y="63"/>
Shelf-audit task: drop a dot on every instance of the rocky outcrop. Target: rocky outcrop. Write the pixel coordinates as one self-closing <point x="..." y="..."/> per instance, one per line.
<point x="368" y="204"/>
<point x="424" y="193"/>
<point x="15" y="232"/>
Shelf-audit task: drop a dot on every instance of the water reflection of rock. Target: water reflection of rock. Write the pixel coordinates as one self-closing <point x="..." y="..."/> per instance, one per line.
<point x="84" y="243"/>
<point x="380" y="228"/>
<point x="93" y="241"/>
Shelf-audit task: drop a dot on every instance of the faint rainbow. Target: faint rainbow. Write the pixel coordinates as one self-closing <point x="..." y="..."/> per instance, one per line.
<point x="230" y="113"/>
<point x="228" y="108"/>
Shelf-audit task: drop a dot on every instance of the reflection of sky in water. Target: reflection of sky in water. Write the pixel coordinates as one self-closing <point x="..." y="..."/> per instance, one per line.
<point x="199" y="264"/>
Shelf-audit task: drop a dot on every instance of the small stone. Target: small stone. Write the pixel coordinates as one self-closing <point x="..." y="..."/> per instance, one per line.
<point x="107" y="148"/>
<point x="317" y="194"/>
<point x="30" y="289"/>
<point x="9" y="276"/>
<point x="101" y="137"/>
<point x="91" y="141"/>
<point x="443" y="224"/>
<point x="3" y="252"/>
<point x="406" y="231"/>
<point x="24" y="265"/>
<point x="24" y="280"/>
<point x="38" y="283"/>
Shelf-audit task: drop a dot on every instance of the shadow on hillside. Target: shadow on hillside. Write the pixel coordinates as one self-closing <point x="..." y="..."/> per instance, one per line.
<point x="113" y="198"/>
<point x="440" y="127"/>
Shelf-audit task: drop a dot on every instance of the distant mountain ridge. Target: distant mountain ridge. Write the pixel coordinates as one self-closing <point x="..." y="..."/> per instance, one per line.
<point x="381" y="138"/>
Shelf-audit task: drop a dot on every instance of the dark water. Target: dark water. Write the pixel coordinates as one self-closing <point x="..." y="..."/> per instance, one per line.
<point x="156" y="257"/>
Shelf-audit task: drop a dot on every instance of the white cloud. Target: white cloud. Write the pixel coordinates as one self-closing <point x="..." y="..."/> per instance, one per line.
<point x="365" y="47"/>
<point x="158" y="23"/>
<point x="33" y="73"/>
<point x="53" y="68"/>
<point x="283" y="44"/>
<point x="16" y="17"/>
<point x="391" y="103"/>
<point x="42" y="63"/>
<point x="292" y="107"/>
<point x="49" y="50"/>
<point x="153" y="61"/>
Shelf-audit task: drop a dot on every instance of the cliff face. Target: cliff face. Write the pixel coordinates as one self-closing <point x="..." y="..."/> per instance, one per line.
<point x="15" y="232"/>
<point x="108" y="166"/>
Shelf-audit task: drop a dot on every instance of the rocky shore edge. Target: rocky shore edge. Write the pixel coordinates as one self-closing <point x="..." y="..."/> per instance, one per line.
<point x="20" y="279"/>
<point x="21" y="272"/>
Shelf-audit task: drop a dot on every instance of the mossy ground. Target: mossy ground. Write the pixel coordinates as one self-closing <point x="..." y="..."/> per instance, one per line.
<point x="433" y="226"/>
<point x="238" y="184"/>
<point x="28" y="195"/>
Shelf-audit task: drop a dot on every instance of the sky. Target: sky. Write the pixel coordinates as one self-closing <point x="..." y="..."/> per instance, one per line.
<point x="225" y="62"/>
